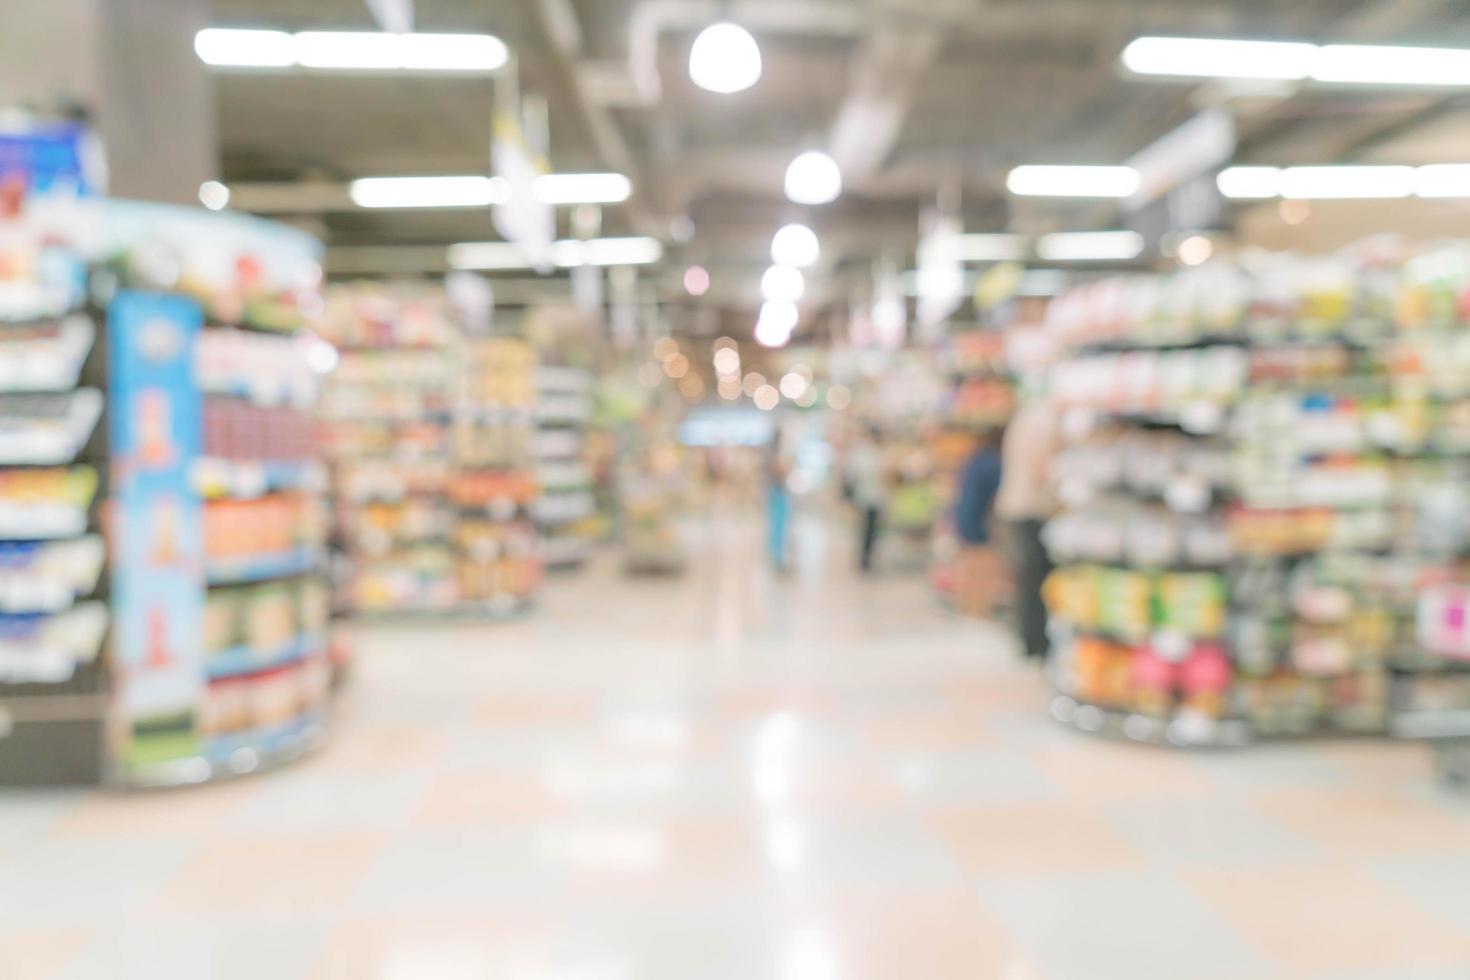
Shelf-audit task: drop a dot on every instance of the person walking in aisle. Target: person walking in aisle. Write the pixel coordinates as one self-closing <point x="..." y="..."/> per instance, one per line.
<point x="778" y="501"/>
<point x="978" y="568"/>
<point x="867" y="484"/>
<point x="1025" y="503"/>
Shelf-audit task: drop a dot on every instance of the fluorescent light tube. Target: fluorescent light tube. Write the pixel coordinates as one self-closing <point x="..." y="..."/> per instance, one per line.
<point x="991" y="248"/>
<point x="1062" y="181"/>
<point x="348" y="49"/>
<point x="452" y="52"/>
<point x="429" y="192"/>
<point x="1443" y="180"/>
<point x="1197" y="57"/>
<point x="227" y="47"/>
<point x="1371" y="64"/>
<point x="351" y="50"/>
<point x="565" y="254"/>
<point x="487" y="255"/>
<point x="582" y="188"/>
<point x="1249" y="182"/>
<point x="1089" y="246"/>
<point x="1343" y="182"/>
<point x="570" y="253"/>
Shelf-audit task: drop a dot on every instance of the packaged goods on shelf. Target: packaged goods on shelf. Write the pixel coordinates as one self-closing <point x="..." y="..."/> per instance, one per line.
<point x="431" y="434"/>
<point x="48" y="576"/>
<point x="45" y="354"/>
<point x="1288" y="436"/>
<point x="566" y="515"/>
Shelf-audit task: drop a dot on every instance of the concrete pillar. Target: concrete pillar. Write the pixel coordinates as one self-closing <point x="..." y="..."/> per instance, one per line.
<point x="130" y="65"/>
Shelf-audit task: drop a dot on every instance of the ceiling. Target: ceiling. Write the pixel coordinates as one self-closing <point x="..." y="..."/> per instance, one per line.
<point x="910" y="97"/>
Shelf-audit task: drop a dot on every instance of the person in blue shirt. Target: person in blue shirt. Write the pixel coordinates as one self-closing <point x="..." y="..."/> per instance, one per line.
<point x="978" y="570"/>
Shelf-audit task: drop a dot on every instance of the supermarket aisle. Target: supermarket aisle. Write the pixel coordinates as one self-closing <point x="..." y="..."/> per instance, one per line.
<point x="730" y="776"/>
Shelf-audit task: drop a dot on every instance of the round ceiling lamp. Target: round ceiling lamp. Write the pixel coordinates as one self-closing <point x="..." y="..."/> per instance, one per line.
<point x="795" y="245"/>
<point x="813" y="178"/>
<point x="783" y="282"/>
<point x="725" y="59"/>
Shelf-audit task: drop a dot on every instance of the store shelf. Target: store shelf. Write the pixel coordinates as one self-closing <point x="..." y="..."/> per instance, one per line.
<point x="215" y="478"/>
<point x="241" y="661"/>
<point x="225" y="757"/>
<point x="1131" y="727"/>
<point x="260" y="568"/>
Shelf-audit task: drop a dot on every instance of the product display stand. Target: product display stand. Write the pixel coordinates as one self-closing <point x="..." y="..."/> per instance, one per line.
<point x="495" y="488"/>
<point x="567" y="508"/>
<point x="431" y="437"/>
<point x="1244" y="528"/>
<point x="53" y="604"/>
<point x="212" y="654"/>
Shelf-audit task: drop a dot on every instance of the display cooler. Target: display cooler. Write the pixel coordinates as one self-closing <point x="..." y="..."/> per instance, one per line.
<point x="163" y="613"/>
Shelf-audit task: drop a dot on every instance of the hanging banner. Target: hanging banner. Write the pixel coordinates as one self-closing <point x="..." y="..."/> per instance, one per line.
<point x="941" y="272"/>
<point x="156" y="523"/>
<point x="521" y="220"/>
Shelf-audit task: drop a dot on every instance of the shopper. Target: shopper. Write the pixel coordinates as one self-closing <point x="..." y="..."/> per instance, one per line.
<point x="1026" y="502"/>
<point x="978" y="569"/>
<point x="867" y="485"/>
<point x="778" y="500"/>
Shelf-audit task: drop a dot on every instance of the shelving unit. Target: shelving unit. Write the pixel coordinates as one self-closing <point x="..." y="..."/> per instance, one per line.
<point x="54" y="615"/>
<point x="566" y="508"/>
<point x="431" y="438"/>
<point x="195" y="643"/>
<point x="1244" y="533"/>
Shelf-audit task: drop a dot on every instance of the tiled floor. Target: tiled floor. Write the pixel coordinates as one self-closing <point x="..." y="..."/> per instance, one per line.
<point x="734" y="776"/>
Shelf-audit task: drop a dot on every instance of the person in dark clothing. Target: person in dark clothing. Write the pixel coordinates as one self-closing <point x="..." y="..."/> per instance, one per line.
<point x="978" y="567"/>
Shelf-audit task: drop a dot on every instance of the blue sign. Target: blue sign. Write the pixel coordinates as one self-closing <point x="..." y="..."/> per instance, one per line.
<point x="155" y="408"/>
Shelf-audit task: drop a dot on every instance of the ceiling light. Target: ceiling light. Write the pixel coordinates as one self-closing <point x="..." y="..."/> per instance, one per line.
<point x="1308" y="183"/>
<point x="839" y="397"/>
<point x="452" y="52"/>
<point x="795" y="245"/>
<point x="766" y="397"/>
<point x="990" y="248"/>
<point x="429" y="192"/>
<point x="793" y="385"/>
<point x="727" y="361"/>
<point x="1195" y="250"/>
<point x="783" y="282"/>
<point x="1090" y="246"/>
<point x="348" y="49"/>
<point x="226" y="47"/>
<point x="566" y="254"/>
<point x="813" y="178"/>
<point x="725" y="59"/>
<point x="214" y="195"/>
<point x="1367" y="64"/>
<point x="1443" y="180"/>
<point x="487" y="255"/>
<point x="776" y="323"/>
<point x="1249" y="182"/>
<point x="1061" y="181"/>
<point x="351" y="50"/>
<point x="696" y="280"/>
<point x="582" y="188"/>
<point x="1219" y="58"/>
<point x="606" y="251"/>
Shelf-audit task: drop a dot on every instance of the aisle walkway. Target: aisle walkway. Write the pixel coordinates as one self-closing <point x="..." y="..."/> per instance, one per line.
<point x="731" y="777"/>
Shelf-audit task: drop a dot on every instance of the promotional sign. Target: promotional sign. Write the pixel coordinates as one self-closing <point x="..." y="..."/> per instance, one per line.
<point x="49" y="159"/>
<point x="522" y="219"/>
<point x="156" y="522"/>
<point x="941" y="272"/>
